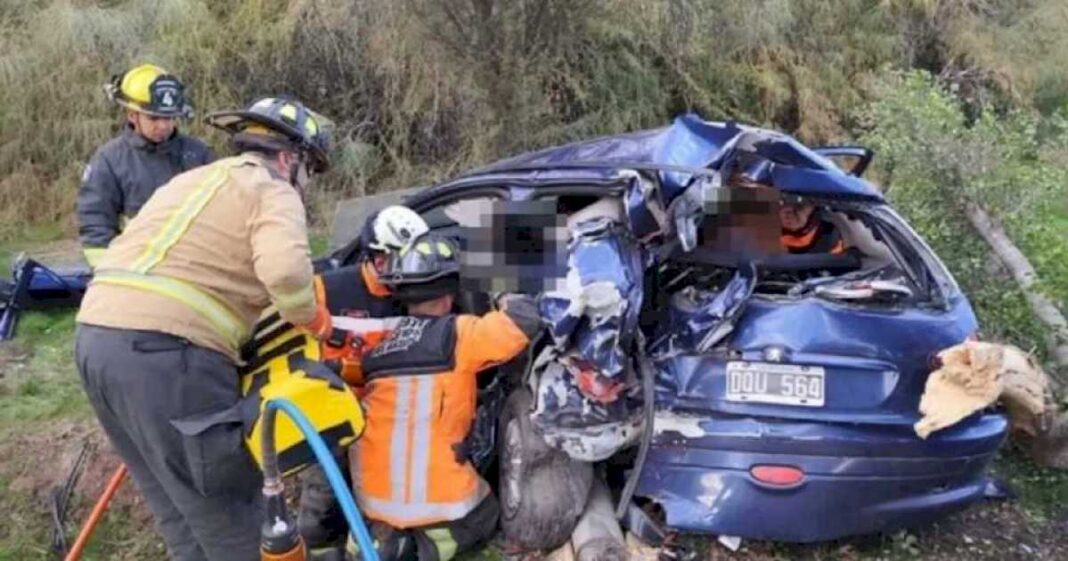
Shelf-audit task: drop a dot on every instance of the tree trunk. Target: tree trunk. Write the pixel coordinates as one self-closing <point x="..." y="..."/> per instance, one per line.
<point x="597" y="536"/>
<point x="1024" y="274"/>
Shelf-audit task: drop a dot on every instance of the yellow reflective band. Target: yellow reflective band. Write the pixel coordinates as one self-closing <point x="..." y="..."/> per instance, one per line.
<point x="444" y="542"/>
<point x="289" y="111"/>
<point x="262" y="130"/>
<point x="93" y="255"/>
<point x="225" y="322"/>
<point x="293" y="300"/>
<point x="180" y="220"/>
<point x="443" y="250"/>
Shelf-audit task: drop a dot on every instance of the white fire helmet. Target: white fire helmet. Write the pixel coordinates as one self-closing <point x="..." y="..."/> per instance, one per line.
<point x="396" y="227"/>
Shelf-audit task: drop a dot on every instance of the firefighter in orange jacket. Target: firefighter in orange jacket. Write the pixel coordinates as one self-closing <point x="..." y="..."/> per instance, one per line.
<point x="805" y="231"/>
<point x="352" y="291"/>
<point x="356" y="291"/>
<point x="425" y="499"/>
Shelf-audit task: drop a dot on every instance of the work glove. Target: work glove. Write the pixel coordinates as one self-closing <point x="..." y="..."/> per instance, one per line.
<point x="522" y="309"/>
<point x="502" y="300"/>
<point x="322" y="325"/>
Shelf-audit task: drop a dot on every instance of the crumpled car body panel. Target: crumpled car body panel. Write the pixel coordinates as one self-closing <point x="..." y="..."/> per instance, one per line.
<point x="864" y="470"/>
<point x="592" y="321"/>
<point x="692" y="142"/>
<point x="876" y="362"/>
<point x="598" y="310"/>
<point x="858" y="478"/>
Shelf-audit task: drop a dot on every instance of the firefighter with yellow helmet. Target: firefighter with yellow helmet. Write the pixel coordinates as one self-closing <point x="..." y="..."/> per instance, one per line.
<point x="124" y="172"/>
<point x="173" y="300"/>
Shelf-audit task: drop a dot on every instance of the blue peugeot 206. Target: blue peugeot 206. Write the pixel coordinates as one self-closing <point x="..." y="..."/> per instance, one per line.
<point x="739" y="331"/>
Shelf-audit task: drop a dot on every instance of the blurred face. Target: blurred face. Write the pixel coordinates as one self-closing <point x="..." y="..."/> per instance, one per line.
<point x="292" y="166"/>
<point x="434" y="308"/>
<point x="154" y="129"/>
<point x="379" y="259"/>
<point x="795" y="216"/>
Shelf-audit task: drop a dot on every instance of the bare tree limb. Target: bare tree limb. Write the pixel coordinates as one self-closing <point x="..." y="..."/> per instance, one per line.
<point x="1024" y="275"/>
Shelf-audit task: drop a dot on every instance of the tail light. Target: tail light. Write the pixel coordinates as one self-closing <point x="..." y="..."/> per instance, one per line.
<point x="934" y="362"/>
<point x="777" y="476"/>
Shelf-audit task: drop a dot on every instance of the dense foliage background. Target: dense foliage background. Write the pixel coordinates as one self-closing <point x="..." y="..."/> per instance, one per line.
<point x="963" y="99"/>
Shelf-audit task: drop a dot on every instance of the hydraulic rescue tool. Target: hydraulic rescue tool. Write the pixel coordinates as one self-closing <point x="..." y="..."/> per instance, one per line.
<point x="280" y="540"/>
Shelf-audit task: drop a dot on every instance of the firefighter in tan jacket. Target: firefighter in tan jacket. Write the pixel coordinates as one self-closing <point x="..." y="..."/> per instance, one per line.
<point x="173" y="299"/>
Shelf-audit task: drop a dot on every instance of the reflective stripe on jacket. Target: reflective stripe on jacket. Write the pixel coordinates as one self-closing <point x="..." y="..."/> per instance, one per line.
<point x="420" y="403"/>
<point x="122" y="175"/>
<point x="206" y="255"/>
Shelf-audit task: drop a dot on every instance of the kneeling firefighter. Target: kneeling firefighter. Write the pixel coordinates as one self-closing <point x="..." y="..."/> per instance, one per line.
<point x="352" y="291"/>
<point x="175" y="297"/>
<point x="411" y="476"/>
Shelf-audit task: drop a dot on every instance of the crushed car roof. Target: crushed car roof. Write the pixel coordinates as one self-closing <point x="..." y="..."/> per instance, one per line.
<point x="690" y="142"/>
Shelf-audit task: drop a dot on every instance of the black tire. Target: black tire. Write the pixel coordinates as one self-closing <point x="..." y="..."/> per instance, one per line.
<point x="543" y="491"/>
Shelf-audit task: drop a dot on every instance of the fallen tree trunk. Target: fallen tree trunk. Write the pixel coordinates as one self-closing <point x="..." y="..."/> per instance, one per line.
<point x="1024" y="275"/>
<point x="597" y="536"/>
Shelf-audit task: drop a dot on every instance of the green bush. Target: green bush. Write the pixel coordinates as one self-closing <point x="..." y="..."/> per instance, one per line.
<point x="934" y="159"/>
<point x="422" y="89"/>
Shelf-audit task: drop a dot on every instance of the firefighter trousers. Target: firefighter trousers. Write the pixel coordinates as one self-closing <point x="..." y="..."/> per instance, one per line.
<point x="165" y="405"/>
<point x="320" y="518"/>
<point x="437" y="542"/>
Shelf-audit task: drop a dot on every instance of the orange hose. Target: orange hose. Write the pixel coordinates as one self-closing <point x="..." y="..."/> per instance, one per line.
<point x="98" y="512"/>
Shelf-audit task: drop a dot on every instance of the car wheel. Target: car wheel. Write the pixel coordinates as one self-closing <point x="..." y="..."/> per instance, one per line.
<point x="543" y="491"/>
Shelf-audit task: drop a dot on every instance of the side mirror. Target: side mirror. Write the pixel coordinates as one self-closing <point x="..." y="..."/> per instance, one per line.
<point x="854" y="160"/>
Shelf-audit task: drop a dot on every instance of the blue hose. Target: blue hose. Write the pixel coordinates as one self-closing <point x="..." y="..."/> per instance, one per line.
<point x="333" y="475"/>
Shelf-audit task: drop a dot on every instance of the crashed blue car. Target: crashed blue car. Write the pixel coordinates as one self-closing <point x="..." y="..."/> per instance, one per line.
<point x="721" y="384"/>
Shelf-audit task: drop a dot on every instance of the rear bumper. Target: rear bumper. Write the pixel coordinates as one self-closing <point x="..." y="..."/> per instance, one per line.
<point x="858" y="479"/>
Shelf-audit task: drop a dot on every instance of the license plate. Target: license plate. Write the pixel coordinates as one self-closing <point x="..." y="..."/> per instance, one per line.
<point x="785" y="384"/>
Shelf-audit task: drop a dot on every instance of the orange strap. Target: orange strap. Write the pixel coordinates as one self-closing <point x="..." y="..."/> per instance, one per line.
<point x="370" y="279"/>
<point x="99" y="508"/>
<point x="794" y="241"/>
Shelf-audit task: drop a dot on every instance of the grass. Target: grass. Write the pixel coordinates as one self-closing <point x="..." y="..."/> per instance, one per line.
<point x="39" y="387"/>
<point x="40" y="384"/>
<point x="1042" y="492"/>
<point x="1043" y="237"/>
<point x="27" y="535"/>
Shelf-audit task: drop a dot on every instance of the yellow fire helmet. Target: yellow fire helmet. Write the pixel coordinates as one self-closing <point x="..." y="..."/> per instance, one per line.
<point x="149" y="89"/>
<point x="282" y="361"/>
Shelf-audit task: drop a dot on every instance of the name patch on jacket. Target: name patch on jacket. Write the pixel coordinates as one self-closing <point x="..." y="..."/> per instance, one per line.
<point x="416" y="346"/>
